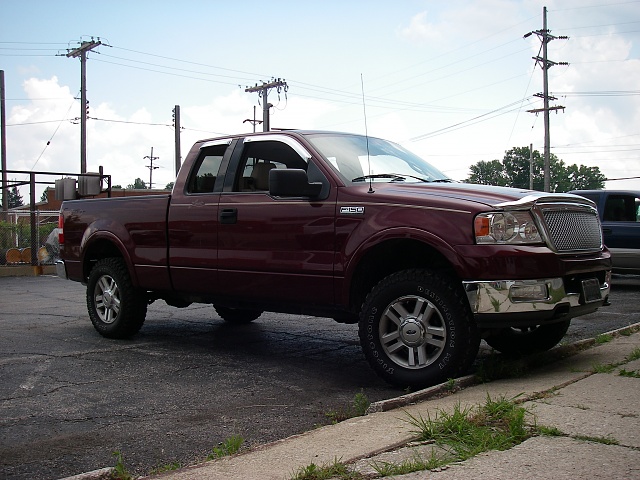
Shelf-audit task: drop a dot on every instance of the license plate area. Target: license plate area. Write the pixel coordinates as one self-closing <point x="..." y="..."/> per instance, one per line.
<point x="591" y="290"/>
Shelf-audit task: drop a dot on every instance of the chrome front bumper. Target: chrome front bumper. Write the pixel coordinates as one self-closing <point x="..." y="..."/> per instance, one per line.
<point x="501" y="302"/>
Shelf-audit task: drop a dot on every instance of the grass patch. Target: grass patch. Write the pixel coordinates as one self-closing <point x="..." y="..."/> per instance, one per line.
<point x="228" y="447"/>
<point x="606" y="368"/>
<point x="169" y="467"/>
<point x="635" y="355"/>
<point x="335" y="470"/>
<point x="496" y="425"/>
<point x="549" y="431"/>
<point x="415" y="464"/>
<point x="629" y="373"/>
<point x="358" y="408"/>
<point x="120" y="471"/>
<point x="603" y="338"/>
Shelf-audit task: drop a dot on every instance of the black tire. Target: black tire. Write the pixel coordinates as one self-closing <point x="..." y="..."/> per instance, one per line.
<point x="416" y="329"/>
<point x="528" y="340"/>
<point x="237" y="316"/>
<point x="116" y="309"/>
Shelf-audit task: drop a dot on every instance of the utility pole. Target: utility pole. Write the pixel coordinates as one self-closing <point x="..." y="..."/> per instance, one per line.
<point x="3" y="146"/>
<point x="545" y="37"/>
<point x="531" y="166"/>
<point x="253" y="122"/>
<point x="81" y="52"/>
<point x="263" y="92"/>
<point x="176" y="126"/>
<point x="151" y="167"/>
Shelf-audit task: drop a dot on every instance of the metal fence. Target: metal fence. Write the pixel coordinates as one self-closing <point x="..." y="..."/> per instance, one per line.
<point x="17" y="243"/>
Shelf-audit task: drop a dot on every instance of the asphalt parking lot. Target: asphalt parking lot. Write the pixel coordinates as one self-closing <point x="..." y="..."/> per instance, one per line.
<point x="70" y="398"/>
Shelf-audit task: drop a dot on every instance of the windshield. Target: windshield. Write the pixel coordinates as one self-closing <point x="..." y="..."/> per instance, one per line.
<point x="384" y="162"/>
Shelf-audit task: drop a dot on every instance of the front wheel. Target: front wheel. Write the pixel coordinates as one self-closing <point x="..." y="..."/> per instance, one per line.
<point x="528" y="340"/>
<point x="416" y="329"/>
<point x="116" y="309"/>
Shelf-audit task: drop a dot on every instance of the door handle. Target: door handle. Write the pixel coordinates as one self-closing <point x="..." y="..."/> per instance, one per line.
<point x="229" y="216"/>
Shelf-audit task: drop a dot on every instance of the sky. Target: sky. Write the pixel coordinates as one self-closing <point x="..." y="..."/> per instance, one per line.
<point x="450" y="80"/>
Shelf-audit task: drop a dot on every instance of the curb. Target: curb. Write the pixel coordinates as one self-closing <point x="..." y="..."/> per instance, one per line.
<point x="101" y="474"/>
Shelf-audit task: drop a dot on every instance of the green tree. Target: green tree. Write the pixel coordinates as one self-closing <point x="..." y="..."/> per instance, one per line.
<point x="169" y="186"/>
<point x="585" y="178"/>
<point x="515" y="172"/>
<point x="14" y="199"/>
<point x="138" y="184"/>
<point x="487" y="173"/>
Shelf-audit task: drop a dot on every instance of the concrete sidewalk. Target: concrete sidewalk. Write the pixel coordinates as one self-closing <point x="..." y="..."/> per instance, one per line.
<point x="579" y="403"/>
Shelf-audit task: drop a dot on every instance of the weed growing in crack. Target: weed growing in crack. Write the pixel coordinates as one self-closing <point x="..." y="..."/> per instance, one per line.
<point x="228" y="447"/>
<point x="358" y="408"/>
<point x="604" y="440"/>
<point x="603" y="338"/>
<point x="336" y="470"/>
<point x="120" y="471"/>
<point x="415" y="464"/>
<point x="629" y="373"/>
<point x="635" y="355"/>
<point x="600" y="368"/>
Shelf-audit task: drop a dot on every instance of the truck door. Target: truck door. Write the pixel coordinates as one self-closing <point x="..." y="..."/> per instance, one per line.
<point x="193" y="222"/>
<point x="277" y="250"/>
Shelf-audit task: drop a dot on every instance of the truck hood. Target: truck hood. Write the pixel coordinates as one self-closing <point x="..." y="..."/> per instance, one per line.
<point x="485" y="195"/>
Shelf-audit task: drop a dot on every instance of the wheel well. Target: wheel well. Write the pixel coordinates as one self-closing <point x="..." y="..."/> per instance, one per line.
<point x="389" y="257"/>
<point x="97" y="251"/>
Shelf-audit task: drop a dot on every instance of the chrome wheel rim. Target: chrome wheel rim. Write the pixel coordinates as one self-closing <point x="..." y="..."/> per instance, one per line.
<point x="412" y="332"/>
<point x="107" y="299"/>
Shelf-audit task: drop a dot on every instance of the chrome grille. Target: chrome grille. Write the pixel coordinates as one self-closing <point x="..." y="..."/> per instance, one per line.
<point x="573" y="229"/>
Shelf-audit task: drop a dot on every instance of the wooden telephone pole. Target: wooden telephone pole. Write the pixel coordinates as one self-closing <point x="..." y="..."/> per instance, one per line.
<point x="81" y="52"/>
<point x="545" y="37"/>
<point x="263" y="91"/>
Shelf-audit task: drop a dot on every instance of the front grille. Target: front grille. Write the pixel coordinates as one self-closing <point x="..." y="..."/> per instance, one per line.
<point x="572" y="229"/>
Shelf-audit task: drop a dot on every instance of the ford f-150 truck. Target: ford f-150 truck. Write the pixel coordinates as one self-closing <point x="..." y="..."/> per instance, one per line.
<point x="349" y="227"/>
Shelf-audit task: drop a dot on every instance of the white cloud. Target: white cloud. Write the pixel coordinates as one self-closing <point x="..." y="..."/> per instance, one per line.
<point x="420" y="30"/>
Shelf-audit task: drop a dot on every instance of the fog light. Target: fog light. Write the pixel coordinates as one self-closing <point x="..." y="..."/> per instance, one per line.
<point x="537" y="292"/>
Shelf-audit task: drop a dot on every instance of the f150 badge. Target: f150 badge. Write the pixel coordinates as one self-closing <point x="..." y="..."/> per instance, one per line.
<point x="351" y="210"/>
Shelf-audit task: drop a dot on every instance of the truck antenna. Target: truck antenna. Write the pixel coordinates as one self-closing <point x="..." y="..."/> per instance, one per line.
<point x="366" y="134"/>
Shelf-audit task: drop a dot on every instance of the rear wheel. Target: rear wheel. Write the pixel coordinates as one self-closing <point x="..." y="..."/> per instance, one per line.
<point x="416" y="329"/>
<point x="237" y="315"/>
<point x="116" y="309"/>
<point x="528" y="340"/>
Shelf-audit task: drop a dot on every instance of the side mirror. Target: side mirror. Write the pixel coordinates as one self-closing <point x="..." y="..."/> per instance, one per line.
<point x="292" y="182"/>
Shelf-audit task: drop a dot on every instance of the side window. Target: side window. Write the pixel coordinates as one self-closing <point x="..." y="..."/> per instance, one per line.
<point x="258" y="159"/>
<point x="622" y="208"/>
<point x="205" y="173"/>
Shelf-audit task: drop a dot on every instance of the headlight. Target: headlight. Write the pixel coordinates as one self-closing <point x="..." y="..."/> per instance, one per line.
<point x="506" y="228"/>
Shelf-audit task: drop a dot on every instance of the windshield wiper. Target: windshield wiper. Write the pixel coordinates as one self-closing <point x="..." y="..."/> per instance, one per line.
<point x="395" y="177"/>
<point x="442" y="180"/>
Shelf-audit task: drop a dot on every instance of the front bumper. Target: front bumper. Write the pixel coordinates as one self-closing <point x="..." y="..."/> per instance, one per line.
<point x="518" y="303"/>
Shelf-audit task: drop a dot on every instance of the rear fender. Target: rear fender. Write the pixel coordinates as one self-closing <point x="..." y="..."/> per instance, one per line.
<point x="98" y="244"/>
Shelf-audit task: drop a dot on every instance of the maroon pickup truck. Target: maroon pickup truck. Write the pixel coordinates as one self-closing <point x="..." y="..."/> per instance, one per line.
<point x="349" y="227"/>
